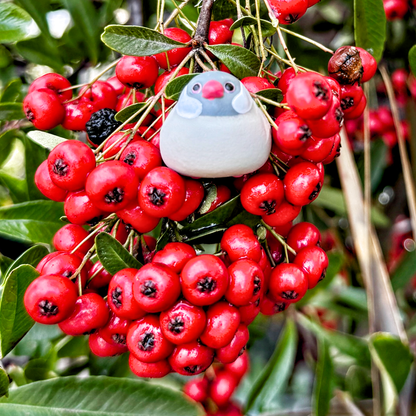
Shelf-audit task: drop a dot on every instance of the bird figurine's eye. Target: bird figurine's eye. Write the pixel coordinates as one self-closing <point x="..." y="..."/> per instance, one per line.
<point x="229" y="87"/>
<point x="196" y="88"/>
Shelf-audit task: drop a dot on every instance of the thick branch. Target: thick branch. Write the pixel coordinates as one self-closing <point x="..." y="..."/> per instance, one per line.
<point x="202" y="29"/>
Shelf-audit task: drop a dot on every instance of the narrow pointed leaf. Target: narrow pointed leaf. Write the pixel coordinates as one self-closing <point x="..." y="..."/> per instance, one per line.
<point x="175" y="87"/>
<point x="46" y="140"/>
<point x="15" y="321"/>
<point x="323" y="379"/>
<point x="113" y="256"/>
<point x="137" y="40"/>
<point x="31" y="256"/>
<point x="124" y="114"/>
<point x="11" y="111"/>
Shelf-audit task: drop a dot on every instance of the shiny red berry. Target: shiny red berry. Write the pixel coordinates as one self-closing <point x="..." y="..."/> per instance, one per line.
<point x="80" y="210"/>
<point x="288" y="11"/>
<point x="158" y="369"/>
<point x="54" y="82"/>
<point x="235" y="348"/>
<point x="175" y="255"/>
<point x="101" y="94"/>
<point x="100" y="276"/>
<point x="197" y="389"/>
<point x="256" y="84"/>
<point x="303" y="234"/>
<point x="101" y="348"/>
<point x="318" y="149"/>
<point x="239" y="367"/>
<point x="165" y="77"/>
<point x="222" y="388"/>
<point x="194" y="194"/>
<point x="70" y="236"/>
<point x="137" y="71"/>
<point x="77" y="115"/>
<point x="288" y="283"/>
<point x="44" y="183"/>
<point x="284" y="214"/>
<point x="115" y="330"/>
<point x="134" y="216"/>
<point x="191" y="359"/>
<point x="313" y="261"/>
<point x="177" y="55"/>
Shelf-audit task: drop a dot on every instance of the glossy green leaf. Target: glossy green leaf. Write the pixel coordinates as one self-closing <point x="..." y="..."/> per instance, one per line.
<point x="6" y="141"/>
<point x="273" y="94"/>
<point x="323" y="379"/>
<point x="97" y="396"/>
<point x="5" y="263"/>
<point x="112" y="255"/>
<point x="274" y="377"/>
<point x="394" y="360"/>
<point x="370" y="26"/>
<point x="4" y="383"/>
<point x="240" y="61"/>
<point x="31" y="256"/>
<point x="15" y="321"/>
<point x="124" y="114"/>
<point x="333" y="199"/>
<point x="31" y="222"/>
<point x="12" y="91"/>
<point x="84" y="16"/>
<point x="163" y="240"/>
<point x="46" y="140"/>
<point x="137" y="40"/>
<point x="40" y="51"/>
<point x="412" y="59"/>
<point x="17" y="187"/>
<point x="175" y="87"/>
<point x="14" y="23"/>
<point x="350" y="345"/>
<point x="11" y="111"/>
<point x="266" y="27"/>
<point x="405" y="270"/>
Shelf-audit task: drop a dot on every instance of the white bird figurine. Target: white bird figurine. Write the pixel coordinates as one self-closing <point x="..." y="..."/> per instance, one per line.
<point x="215" y="130"/>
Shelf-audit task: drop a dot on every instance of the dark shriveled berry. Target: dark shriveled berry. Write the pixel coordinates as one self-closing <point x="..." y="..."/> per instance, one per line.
<point x="101" y="125"/>
<point x="346" y="65"/>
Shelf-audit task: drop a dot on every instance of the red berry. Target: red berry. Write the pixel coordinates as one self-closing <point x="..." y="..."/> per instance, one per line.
<point x="77" y="114"/>
<point x="240" y="242"/>
<point x="351" y="95"/>
<point x="115" y="330"/>
<point x="302" y="183"/>
<point x="102" y="348"/>
<point x="69" y="164"/>
<point x="284" y="214"/>
<point x="219" y="33"/>
<point x="183" y="322"/>
<point x="118" y="87"/>
<point x="395" y="9"/>
<point x="194" y="194"/>
<point x="69" y="236"/>
<point x="166" y="77"/>
<point x="44" y="183"/>
<point x="246" y="282"/>
<point x="330" y="124"/>
<point x="53" y="82"/>
<point x="48" y="257"/>
<point x="309" y="96"/>
<point x="248" y="313"/>
<point x="197" y="389"/>
<point x="303" y="234"/>
<point x="313" y="261"/>
<point x="120" y="295"/>
<point x="137" y="71"/>
<point x="204" y="280"/>
<point x="158" y="369"/>
<point x="334" y="86"/>
<point x="239" y="367"/>
<point x="90" y="313"/>
<point x="43" y="108"/>
<point x="111" y="186"/>
<point x="222" y="323"/>
<point x="369" y="64"/>
<point x="288" y="11"/>
<point x="235" y="348"/>
<point x="175" y="255"/>
<point x="80" y="210"/>
<point x="162" y="192"/>
<point x="262" y="194"/>
<point x="269" y="307"/>
<point x="288" y="75"/>
<point x="256" y="84"/>
<point x="156" y="287"/>
<point x="318" y="150"/>
<point x="146" y="341"/>
<point x="177" y="55"/>
<point x="288" y="283"/>
<point x="191" y="359"/>
<point x="134" y="216"/>
<point x="128" y="98"/>
<point x="222" y="388"/>
<point x="50" y="299"/>
<point x="358" y="109"/>
<point x="223" y="195"/>
<point x="100" y="276"/>
<point x="101" y="94"/>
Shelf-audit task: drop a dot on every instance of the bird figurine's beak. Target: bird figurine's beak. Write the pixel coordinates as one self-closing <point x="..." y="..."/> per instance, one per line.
<point x="212" y="89"/>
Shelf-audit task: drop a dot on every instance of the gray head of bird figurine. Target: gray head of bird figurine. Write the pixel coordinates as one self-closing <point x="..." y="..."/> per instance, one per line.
<point x="215" y="130"/>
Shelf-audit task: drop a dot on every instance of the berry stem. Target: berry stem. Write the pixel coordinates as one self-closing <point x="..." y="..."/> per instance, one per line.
<point x="306" y="39"/>
<point x="271" y="102"/>
<point x="201" y="64"/>
<point x="184" y="16"/>
<point x="271" y="121"/>
<point x="95" y="274"/>
<point x="83" y="263"/>
<point x="176" y="12"/>
<point x="278" y="237"/>
<point x="261" y="42"/>
<point x="269" y="255"/>
<point x="285" y="48"/>
<point x="210" y="61"/>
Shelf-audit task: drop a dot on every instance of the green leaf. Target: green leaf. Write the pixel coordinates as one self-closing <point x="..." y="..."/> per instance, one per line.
<point x="84" y="17"/>
<point x="46" y="140"/>
<point x="240" y="61"/>
<point x="412" y="59"/>
<point x="358" y="382"/>
<point x="222" y="9"/>
<point x="96" y="396"/>
<point x="175" y="87"/>
<point x="273" y="94"/>
<point x="34" y="156"/>
<point x="394" y="360"/>
<point x="41" y="368"/>
<point x="370" y="26"/>
<point x="11" y="92"/>
<point x="40" y="51"/>
<point x="266" y="27"/>
<point x="323" y="379"/>
<point x="333" y="199"/>
<point x="404" y="271"/>
<point x="14" y="23"/>
<point x="4" y="383"/>
<point x="112" y="255"/>
<point x="137" y="40"/>
<point x="127" y="112"/>
<point x="6" y="141"/>
<point x="354" y="347"/>
<point x="17" y="187"/>
<point x="15" y="321"/>
<point x="11" y="111"/>
<point x="5" y="263"/>
<point x="275" y="376"/>
<point x="31" y="222"/>
<point x="31" y="256"/>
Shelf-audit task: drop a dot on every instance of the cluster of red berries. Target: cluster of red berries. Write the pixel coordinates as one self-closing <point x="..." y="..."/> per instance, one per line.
<point x="397" y="9"/>
<point x="215" y="389"/>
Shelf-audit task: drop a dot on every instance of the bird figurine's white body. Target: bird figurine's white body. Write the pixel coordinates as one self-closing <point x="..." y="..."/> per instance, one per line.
<point x="215" y="130"/>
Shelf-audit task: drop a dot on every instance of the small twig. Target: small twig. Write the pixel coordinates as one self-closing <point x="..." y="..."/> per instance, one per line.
<point x="239" y="16"/>
<point x="306" y="39"/>
<point x="271" y="102"/>
<point x="278" y="237"/>
<point x="184" y="15"/>
<point x="271" y="121"/>
<point x="210" y="61"/>
<point x="261" y="42"/>
<point x="176" y="12"/>
<point x="285" y="48"/>
<point x="201" y="64"/>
